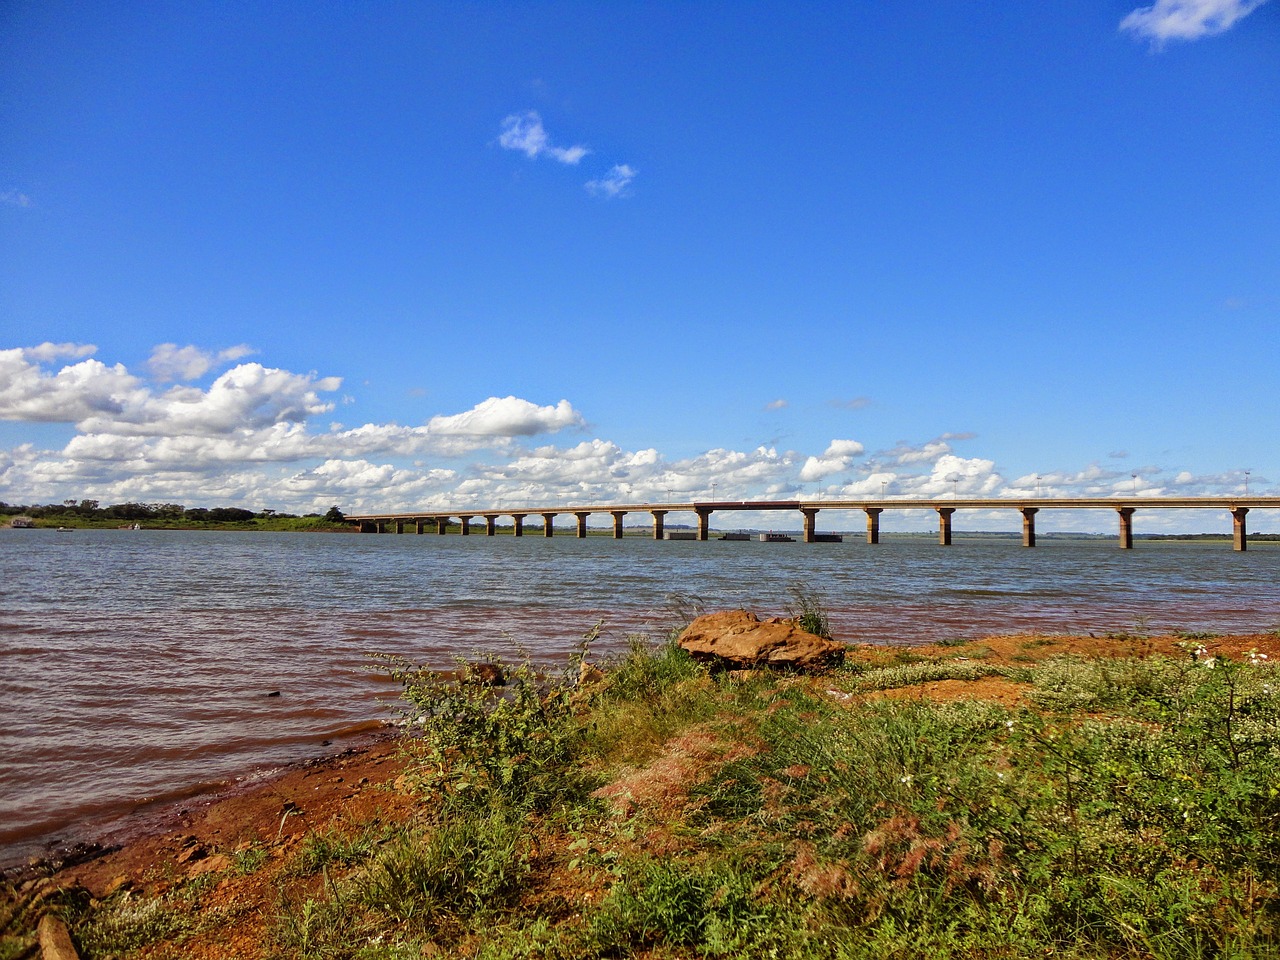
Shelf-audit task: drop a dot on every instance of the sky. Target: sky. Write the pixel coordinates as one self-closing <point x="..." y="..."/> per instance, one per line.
<point x="394" y="256"/>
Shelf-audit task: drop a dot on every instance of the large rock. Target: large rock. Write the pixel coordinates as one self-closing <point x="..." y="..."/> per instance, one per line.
<point x="738" y="639"/>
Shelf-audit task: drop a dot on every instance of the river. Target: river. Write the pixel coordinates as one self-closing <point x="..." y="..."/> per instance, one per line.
<point x="138" y="668"/>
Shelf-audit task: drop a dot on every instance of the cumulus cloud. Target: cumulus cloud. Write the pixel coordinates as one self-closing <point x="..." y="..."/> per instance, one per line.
<point x="171" y="362"/>
<point x="614" y="183"/>
<point x="508" y="417"/>
<point x="837" y="458"/>
<point x="524" y="132"/>
<point x="75" y="393"/>
<point x="257" y="436"/>
<point x="778" y="404"/>
<point x="1186" y="19"/>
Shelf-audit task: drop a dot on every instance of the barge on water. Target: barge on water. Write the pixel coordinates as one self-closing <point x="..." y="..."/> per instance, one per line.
<point x="776" y="538"/>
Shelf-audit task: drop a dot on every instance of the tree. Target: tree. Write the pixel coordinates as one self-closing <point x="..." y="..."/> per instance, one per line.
<point x="334" y="515"/>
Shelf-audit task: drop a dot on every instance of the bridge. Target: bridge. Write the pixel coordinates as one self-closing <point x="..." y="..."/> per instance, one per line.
<point x="1125" y="507"/>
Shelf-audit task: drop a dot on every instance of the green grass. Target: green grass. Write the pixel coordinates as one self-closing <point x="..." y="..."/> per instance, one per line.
<point x="1132" y="809"/>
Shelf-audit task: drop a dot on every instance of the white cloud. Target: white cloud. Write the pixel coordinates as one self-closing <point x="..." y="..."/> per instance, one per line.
<point x="614" y="183"/>
<point x="1186" y="19"/>
<point x="837" y="458"/>
<point x="507" y="417"/>
<point x="171" y="362"/>
<point x="524" y="132"/>
<point x="15" y="199"/>
<point x="76" y="392"/>
<point x="258" y="437"/>
<point x="47" y="352"/>
<point x="778" y="404"/>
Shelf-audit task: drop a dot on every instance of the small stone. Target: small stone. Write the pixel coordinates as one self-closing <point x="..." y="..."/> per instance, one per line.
<point x="192" y="854"/>
<point x="214" y="864"/>
<point x="55" y="939"/>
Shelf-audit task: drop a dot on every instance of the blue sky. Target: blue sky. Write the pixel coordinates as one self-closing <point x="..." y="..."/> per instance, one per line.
<point x="404" y="254"/>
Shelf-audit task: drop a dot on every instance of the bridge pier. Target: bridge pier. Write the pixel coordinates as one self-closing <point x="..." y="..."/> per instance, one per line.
<point x="810" y="523"/>
<point x="1239" y="536"/>
<point x="466" y="525"/>
<point x="547" y="529"/>
<point x="399" y="526"/>
<point x="617" y="523"/>
<point x="704" y="522"/>
<point x="490" y="524"/>
<point x="1029" y="525"/>
<point x="582" y="524"/>
<point x="442" y="524"/>
<point x="657" y="523"/>
<point x="944" y="525"/>
<point x="419" y="525"/>
<point x="518" y="520"/>
<point x="873" y="523"/>
<point x="1126" y="527"/>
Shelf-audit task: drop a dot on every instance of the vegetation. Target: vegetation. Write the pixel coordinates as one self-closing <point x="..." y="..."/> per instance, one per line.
<point x="172" y="516"/>
<point x="1099" y="807"/>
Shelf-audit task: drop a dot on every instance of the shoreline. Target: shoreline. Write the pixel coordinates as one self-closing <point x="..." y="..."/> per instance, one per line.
<point x="255" y="867"/>
<point x="150" y="822"/>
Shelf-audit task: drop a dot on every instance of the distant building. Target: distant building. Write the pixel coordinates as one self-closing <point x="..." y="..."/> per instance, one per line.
<point x="22" y="522"/>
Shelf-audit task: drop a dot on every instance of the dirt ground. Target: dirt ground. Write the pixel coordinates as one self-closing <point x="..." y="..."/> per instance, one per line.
<point x="359" y="787"/>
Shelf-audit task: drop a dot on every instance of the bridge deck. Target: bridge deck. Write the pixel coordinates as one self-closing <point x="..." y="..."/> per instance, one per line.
<point x="962" y="503"/>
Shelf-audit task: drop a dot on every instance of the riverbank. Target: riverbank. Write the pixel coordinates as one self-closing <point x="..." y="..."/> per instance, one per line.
<point x="1097" y="797"/>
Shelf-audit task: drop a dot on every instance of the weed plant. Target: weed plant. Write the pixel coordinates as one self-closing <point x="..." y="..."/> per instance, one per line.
<point x="807" y="609"/>
<point x="1131" y="809"/>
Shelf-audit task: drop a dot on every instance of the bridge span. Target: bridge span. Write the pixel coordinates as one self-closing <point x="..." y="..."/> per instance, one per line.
<point x="1125" y="507"/>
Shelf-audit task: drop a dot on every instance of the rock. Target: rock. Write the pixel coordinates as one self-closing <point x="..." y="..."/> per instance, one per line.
<point x="119" y="883"/>
<point x="588" y="674"/>
<point x="213" y="864"/>
<point x="192" y="853"/>
<point x="55" y="939"/>
<point x="740" y="640"/>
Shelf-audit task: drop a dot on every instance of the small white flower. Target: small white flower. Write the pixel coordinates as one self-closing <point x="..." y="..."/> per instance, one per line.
<point x="1211" y="663"/>
<point x="905" y="778"/>
<point x="1008" y="724"/>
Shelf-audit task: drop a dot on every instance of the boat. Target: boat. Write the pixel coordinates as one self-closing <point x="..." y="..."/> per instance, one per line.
<point x="66" y="529"/>
<point x="828" y="538"/>
<point x="682" y="535"/>
<point x="734" y="536"/>
<point x="776" y="538"/>
<point x="22" y="523"/>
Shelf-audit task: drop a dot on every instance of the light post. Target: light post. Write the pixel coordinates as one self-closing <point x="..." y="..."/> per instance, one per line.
<point x="1037" y="484"/>
<point x="1246" y="483"/>
<point x="882" y="486"/>
<point x="1135" y="483"/>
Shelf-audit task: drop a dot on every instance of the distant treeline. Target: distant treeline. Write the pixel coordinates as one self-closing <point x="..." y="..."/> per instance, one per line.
<point x="166" y="514"/>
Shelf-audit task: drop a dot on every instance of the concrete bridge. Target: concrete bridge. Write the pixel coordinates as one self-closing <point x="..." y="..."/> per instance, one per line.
<point x="1125" y="507"/>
